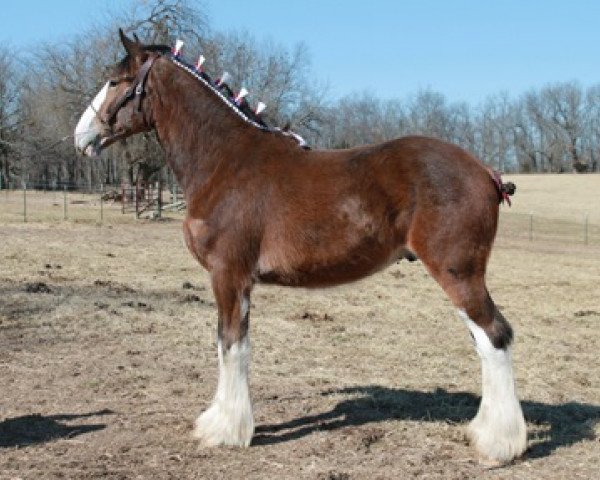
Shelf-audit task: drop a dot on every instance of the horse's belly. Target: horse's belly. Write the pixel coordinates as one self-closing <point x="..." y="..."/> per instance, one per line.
<point x="326" y="267"/>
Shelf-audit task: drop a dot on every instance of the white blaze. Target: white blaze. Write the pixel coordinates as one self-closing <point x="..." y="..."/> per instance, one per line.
<point x="86" y="130"/>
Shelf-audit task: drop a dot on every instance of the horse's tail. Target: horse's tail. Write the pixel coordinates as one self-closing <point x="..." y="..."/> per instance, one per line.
<point x="505" y="190"/>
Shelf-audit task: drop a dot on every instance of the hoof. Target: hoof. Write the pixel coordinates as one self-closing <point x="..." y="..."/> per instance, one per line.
<point x="218" y="427"/>
<point x="498" y="444"/>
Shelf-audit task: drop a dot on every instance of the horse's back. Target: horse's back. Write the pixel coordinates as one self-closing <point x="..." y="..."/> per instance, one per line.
<point x="340" y="215"/>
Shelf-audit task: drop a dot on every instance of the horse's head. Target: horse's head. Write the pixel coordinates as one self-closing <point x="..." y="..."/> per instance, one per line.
<point x="121" y="108"/>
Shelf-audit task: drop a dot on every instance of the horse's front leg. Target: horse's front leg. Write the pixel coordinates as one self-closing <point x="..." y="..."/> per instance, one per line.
<point x="229" y="420"/>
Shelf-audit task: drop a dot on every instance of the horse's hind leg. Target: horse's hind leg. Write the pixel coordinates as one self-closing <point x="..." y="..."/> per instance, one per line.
<point x="498" y="430"/>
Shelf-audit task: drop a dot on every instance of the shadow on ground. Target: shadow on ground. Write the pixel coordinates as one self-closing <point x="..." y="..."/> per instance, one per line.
<point x="562" y="425"/>
<point x="34" y="429"/>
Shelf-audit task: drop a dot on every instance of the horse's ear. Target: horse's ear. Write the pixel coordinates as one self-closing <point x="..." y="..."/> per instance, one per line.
<point x="137" y="40"/>
<point x="131" y="47"/>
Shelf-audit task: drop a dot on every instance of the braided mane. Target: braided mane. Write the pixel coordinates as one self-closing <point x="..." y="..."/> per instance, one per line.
<point x="222" y="90"/>
<point x="243" y="110"/>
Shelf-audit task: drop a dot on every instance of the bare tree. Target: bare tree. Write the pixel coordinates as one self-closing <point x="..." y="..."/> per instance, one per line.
<point x="277" y="76"/>
<point x="556" y="128"/>
<point x="64" y="78"/>
<point x="556" y="115"/>
<point x="591" y="144"/>
<point x="9" y="96"/>
<point x="363" y="118"/>
<point x="162" y="21"/>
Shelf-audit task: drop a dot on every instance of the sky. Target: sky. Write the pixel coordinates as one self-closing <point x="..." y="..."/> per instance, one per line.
<point x="464" y="49"/>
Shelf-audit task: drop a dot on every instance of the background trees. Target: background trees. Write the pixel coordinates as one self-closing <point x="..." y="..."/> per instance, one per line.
<point x="554" y="129"/>
<point x="9" y="126"/>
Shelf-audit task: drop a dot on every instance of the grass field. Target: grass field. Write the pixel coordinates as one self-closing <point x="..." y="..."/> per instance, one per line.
<point x="106" y="359"/>
<point x="554" y="208"/>
<point x="568" y="197"/>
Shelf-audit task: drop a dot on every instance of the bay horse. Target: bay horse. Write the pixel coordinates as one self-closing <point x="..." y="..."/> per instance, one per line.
<point x="260" y="209"/>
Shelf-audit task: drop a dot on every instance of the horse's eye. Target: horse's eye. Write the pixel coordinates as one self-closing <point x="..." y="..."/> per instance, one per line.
<point x="112" y="83"/>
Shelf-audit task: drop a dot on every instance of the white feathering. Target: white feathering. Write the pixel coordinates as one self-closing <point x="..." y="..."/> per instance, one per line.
<point x="178" y="47"/>
<point x="260" y="108"/>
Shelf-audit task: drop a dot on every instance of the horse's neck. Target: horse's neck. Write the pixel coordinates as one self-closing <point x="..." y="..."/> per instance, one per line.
<point x="196" y="128"/>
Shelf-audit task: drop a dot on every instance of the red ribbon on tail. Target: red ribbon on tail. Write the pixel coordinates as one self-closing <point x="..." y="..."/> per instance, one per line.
<point x="502" y="193"/>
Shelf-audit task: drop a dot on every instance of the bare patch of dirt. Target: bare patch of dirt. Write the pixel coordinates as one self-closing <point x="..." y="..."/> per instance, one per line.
<point x="314" y="317"/>
<point x="114" y="286"/>
<point x="37" y="287"/>
<point x="190" y="286"/>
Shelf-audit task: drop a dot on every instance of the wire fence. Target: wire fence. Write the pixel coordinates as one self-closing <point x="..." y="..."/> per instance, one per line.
<point x="60" y="203"/>
<point x="98" y="204"/>
<point x="577" y="229"/>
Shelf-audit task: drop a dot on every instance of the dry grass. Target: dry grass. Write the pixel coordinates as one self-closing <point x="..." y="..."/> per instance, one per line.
<point x="103" y="375"/>
<point x="555" y="208"/>
<point x="567" y="196"/>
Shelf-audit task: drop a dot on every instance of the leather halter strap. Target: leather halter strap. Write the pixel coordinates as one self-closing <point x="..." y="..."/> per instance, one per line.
<point x="135" y="90"/>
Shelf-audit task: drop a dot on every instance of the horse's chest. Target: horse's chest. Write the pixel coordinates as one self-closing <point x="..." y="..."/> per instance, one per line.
<point x="199" y="239"/>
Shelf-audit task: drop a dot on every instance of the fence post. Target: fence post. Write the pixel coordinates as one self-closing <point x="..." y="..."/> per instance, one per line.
<point x="101" y="202"/>
<point x="25" y="202"/>
<point x="64" y="202"/>
<point x="531" y="227"/>
<point x="586" y="228"/>
<point x="137" y="198"/>
<point x="159" y="199"/>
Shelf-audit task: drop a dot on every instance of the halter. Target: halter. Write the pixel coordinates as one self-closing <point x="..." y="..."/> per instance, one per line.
<point x="135" y="90"/>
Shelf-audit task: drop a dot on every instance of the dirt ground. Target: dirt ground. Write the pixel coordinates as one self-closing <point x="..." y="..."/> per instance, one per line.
<point x="107" y="355"/>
